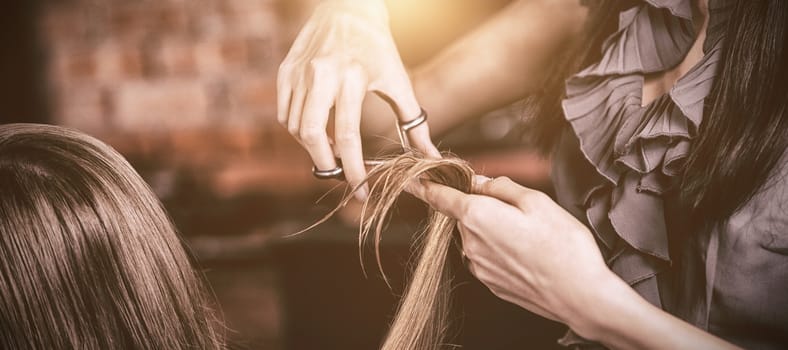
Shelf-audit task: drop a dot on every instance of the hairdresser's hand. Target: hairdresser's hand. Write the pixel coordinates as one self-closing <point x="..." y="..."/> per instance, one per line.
<point x="343" y="51"/>
<point x="522" y="245"/>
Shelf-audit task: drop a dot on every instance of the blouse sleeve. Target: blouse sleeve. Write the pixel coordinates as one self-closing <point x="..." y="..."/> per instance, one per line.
<point x="748" y="270"/>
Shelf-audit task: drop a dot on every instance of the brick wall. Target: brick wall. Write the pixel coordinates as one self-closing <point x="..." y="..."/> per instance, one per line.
<point x="162" y="65"/>
<point x="187" y="82"/>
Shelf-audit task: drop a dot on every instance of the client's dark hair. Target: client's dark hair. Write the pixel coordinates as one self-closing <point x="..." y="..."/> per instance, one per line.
<point x="88" y="257"/>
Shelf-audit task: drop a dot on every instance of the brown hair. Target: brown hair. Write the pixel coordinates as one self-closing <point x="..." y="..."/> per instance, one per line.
<point x="88" y="257"/>
<point x="421" y="321"/>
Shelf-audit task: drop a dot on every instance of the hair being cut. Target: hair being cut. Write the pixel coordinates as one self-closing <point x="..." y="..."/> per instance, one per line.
<point x="88" y="257"/>
<point x="422" y="318"/>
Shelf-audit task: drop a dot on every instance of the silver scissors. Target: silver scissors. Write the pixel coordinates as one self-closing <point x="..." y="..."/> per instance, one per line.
<point x="402" y="132"/>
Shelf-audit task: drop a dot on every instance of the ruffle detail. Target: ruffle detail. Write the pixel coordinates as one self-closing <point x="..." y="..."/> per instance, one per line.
<point x="635" y="153"/>
<point x="638" y="150"/>
<point x="678" y="8"/>
<point x="618" y="135"/>
<point x="649" y="39"/>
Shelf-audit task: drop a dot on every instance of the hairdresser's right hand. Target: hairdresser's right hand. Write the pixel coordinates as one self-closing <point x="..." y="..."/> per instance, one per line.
<point x="344" y="50"/>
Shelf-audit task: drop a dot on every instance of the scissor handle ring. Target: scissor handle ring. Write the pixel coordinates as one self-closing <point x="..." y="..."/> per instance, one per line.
<point x="336" y="173"/>
<point x="406" y="126"/>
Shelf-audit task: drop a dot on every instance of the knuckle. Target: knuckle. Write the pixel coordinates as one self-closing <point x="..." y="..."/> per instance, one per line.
<point x="310" y="134"/>
<point x="316" y="62"/>
<point x="293" y="130"/>
<point x="470" y="248"/>
<point x="541" y="196"/>
<point x="354" y="75"/>
<point x="285" y="75"/>
<point x="489" y="185"/>
<point x="504" y="180"/>
<point x="284" y="69"/>
<point x="534" y="195"/>
<point x="473" y="211"/>
<point x="501" y="181"/>
<point x="320" y="66"/>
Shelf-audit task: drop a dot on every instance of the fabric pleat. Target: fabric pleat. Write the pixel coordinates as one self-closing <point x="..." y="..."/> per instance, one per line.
<point x="639" y="151"/>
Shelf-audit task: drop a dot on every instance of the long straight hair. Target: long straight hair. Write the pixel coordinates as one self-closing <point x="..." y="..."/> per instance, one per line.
<point x="88" y="257"/>
<point x="422" y="317"/>
<point x="744" y="132"/>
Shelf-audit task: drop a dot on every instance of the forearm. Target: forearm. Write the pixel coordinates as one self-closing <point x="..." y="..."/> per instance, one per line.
<point x="496" y="64"/>
<point x="373" y="8"/>
<point x="622" y="319"/>
<point x="500" y="62"/>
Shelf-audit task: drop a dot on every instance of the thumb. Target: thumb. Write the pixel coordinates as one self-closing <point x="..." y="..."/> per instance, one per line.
<point x="504" y="189"/>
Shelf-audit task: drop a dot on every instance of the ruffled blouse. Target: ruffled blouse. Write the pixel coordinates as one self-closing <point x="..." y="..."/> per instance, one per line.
<point x="618" y="162"/>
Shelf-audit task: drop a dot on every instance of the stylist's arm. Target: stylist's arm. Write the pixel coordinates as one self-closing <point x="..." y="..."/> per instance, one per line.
<point x="531" y="252"/>
<point x="344" y="50"/>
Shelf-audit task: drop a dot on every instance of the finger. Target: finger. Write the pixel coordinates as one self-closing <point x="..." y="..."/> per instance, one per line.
<point x="317" y="105"/>
<point x="464" y="232"/>
<point x="419" y="138"/>
<point x="478" y="181"/>
<point x="294" y="112"/>
<point x="347" y="129"/>
<point x="444" y="199"/>
<point x="508" y="191"/>
<point x="402" y="99"/>
<point x="283" y="93"/>
<point x="397" y="91"/>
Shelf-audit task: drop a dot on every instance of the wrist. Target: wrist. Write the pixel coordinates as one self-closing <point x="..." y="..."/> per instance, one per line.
<point x="371" y="9"/>
<point x="598" y="314"/>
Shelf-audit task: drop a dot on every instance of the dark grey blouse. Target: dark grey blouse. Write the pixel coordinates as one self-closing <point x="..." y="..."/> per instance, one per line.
<point x="616" y="169"/>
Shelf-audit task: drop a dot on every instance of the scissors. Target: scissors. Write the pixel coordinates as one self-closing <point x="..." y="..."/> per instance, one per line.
<point x="402" y="132"/>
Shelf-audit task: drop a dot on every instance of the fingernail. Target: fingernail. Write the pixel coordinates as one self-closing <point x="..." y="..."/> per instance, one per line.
<point x="361" y="193"/>
<point x="480" y="179"/>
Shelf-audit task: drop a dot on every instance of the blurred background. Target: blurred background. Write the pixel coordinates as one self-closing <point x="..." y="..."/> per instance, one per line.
<point x="186" y="90"/>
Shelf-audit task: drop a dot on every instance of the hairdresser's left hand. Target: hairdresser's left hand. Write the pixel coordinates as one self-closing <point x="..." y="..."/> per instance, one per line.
<point x="523" y="246"/>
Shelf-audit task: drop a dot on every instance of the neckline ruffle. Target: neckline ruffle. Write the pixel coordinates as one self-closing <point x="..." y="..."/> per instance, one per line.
<point x="639" y="150"/>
